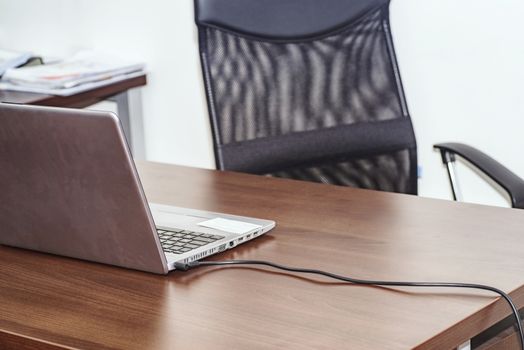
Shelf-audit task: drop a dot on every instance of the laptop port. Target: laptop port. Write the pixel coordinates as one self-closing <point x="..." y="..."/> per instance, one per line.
<point x="241" y="239"/>
<point x="231" y="244"/>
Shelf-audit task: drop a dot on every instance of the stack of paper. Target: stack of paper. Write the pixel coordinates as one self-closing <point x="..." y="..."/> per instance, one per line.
<point x="10" y="59"/>
<point x="81" y="72"/>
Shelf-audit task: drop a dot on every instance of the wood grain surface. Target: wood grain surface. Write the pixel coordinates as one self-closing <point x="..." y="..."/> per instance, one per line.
<point x="65" y="303"/>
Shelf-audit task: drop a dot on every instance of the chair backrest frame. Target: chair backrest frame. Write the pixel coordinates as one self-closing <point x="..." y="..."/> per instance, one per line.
<point x="253" y="21"/>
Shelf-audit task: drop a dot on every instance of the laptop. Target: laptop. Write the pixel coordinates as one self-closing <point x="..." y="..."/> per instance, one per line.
<point x="69" y="187"/>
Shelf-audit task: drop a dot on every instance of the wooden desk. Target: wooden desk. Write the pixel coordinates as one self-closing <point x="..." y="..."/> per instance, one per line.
<point x="128" y="105"/>
<point x="55" y="303"/>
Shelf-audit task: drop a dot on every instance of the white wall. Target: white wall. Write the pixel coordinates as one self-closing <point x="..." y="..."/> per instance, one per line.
<point x="462" y="66"/>
<point x="461" y="62"/>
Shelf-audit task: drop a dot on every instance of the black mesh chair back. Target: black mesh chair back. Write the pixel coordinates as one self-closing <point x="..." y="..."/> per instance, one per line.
<point x="307" y="89"/>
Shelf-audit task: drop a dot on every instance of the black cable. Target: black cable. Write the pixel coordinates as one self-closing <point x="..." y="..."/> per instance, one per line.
<point x="187" y="266"/>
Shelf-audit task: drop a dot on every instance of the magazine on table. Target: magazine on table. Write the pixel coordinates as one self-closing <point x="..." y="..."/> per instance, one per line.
<point x="11" y="59"/>
<point x="80" y="72"/>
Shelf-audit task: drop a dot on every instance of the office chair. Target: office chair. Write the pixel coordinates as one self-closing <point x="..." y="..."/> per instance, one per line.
<point x="311" y="90"/>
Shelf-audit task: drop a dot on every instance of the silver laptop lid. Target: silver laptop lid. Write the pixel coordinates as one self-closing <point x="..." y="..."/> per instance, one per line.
<point x="69" y="187"/>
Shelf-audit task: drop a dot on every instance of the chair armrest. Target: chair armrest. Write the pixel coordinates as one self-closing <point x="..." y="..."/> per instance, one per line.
<point x="510" y="182"/>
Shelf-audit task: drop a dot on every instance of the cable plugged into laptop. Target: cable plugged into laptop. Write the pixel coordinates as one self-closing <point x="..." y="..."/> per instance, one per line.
<point x="186" y="266"/>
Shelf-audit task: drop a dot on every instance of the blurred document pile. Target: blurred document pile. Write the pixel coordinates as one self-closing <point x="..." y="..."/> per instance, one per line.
<point x="10" y="59"/>
<point x="83" y="71"/>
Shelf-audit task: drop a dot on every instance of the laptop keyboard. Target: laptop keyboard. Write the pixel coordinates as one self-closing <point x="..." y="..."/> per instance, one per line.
<point x="183" y="241"/>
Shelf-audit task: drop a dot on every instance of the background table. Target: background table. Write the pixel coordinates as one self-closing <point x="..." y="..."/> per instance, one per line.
<point x="127" y="99"/>
<point x="56" y="302"/>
